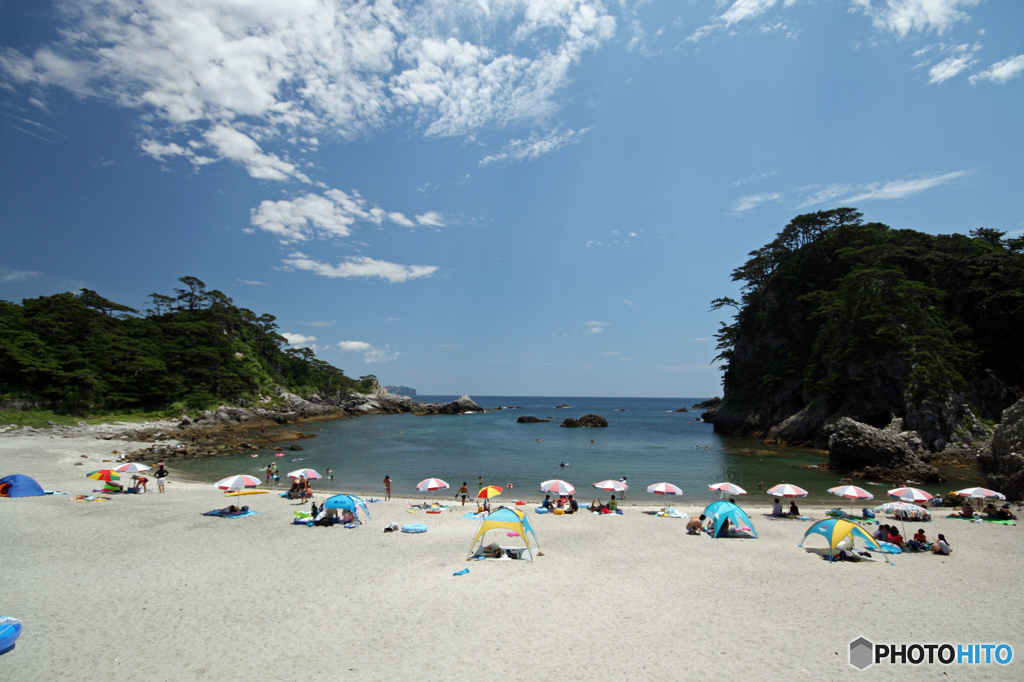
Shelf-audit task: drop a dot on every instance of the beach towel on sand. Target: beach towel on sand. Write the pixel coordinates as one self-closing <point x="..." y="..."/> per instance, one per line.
<point x="229" y="515"/>
<point x="1004" y="522"/>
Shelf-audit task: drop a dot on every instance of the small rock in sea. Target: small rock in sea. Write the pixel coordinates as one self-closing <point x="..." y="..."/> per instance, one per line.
<point x="295" y="447"/>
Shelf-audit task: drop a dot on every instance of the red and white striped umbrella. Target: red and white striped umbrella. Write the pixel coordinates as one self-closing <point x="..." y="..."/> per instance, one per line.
<point x="431" y="484"/>
<point x="787" y="490"/>
<point x="664" y="489"/>
<point x="131" y="468"/>
<point x="851" y="492"/>
<point x="730" y="488"/>
<point x="310" y="474"/>
<point x="238" y="482"/>
<point x="557" y="486"/>
<point x="984" y="493"/>
<point x="611" y="486"/>
<point x="911" y="495"/>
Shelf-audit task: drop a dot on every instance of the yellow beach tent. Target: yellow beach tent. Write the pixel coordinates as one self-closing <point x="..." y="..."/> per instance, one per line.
<point x="508" y="520"/>
<point x="841" y="534"/>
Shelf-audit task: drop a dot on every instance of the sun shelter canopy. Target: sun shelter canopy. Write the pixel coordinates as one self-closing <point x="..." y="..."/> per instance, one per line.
<point x="721" y="510"/>
<point x="840" y="534"/>
<point x="508" y="520"/>
<point x="18" y="485"/>
<point x="347" y="502"/>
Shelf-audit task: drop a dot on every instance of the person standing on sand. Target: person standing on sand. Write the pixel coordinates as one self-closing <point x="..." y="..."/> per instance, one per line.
<point x="464" y="491"/>
<point x="161" y="477"/>
<point x="387" y="488"/>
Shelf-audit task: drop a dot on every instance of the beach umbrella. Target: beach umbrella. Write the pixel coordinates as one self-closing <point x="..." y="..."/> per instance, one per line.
<point x="489" y="491"/>
<point x="104" y="475"/>
<point x="431" y="484"/>
<point x="786" y="490"/>
<point x="911" y="511"/>
<point x="664" y="489"/>
<point x="851" y="492"/>
<point x="239" y="482"/>
<point x="557" y="486"/>
<point x="131" y="468"/>
<point x="727" y="487"/>
<point x="983" y="493"/>
<point x="911" y="495"/>
<point x="310" y="474"/>
<point x="611" y="486"/>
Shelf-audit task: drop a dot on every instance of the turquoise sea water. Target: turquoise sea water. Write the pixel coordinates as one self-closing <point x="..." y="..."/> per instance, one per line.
<point x="646" y="441"/>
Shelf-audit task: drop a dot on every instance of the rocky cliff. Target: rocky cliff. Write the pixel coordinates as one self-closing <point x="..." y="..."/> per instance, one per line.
<point x="1001" y="461"/>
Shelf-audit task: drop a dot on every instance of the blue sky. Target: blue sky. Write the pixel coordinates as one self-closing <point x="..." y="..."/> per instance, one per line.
<point x="519" y="197"/>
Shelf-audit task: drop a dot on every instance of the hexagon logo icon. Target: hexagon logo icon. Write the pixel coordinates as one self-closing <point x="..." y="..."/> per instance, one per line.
<point x="862" y="653"/>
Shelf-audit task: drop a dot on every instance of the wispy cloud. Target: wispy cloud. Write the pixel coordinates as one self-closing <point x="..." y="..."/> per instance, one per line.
<point x="893" y="189"/>
<point x="1001" y="72"/>
<point x="252" y="282"/>
<point x="7" y="275"/>
<point x="535" y="146"/>
<point x="360" y="267"/>
<point x="319" y="323"/>
<point x="904" y="17"/>
<point x="613" y="352"/>
<point x="963" y="58"/>
<point x="748" y="203"/>
<point x="370" y="353"/>
<point x="595" y="327"/>
<point x="298" y="340"/>
<point x="331" y="214"/>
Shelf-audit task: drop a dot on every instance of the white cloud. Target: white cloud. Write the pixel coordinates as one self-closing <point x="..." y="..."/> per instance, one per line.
<point x="18" y="275"/>
<point x="748" y="203"/>
<point x="1001" y="72"/>
<point x="595" y="327"/>
<point x="298" y="340"/>
<point x="370" y="353"/>
<point x="960" y="58"/>
<point x="331" y="214"/>
<point x="244" y="73"/>
<point x="430" y="218"/>
<point x="535" y="146"/>
<point x="950" y="67"/>
<point x="894" y="189"/>
<point x="252" y="282"/>
<point x="904" y="17"/>
<point x="319" y="323"/>
<point x="363" y="266"/>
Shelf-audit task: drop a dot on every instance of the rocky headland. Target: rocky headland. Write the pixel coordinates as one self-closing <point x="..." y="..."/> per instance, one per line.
<point x="276" y="422"/>
<point x="587" y="420"/>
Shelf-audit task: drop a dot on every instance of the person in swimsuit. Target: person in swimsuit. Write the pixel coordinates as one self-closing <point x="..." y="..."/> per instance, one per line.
<point x="387" y="488"/>
<point x="464" y="491"/>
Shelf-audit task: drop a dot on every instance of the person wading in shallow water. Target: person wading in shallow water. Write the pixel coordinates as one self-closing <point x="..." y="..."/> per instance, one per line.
<point x="387" y="488"/>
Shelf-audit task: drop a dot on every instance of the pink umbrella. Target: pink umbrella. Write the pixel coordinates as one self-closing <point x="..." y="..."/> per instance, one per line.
<point x="664" y="489"/>
<point x="131" y="468"/>
<point x="984" y="493"/>
<point x="911" y="495"/>
<point x="431" y="484"/>
<point x="730" y="488"/>
<point x="611" y="486"/>
<point x="238" y="482"/>
<point x="310" y="474"/>
<point x="787" y="490"/>
<point x="851" y="492"/>
<point x="557" y="486"/>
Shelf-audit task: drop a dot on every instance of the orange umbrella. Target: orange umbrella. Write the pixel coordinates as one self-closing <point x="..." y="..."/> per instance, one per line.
<point x="490" y="491"/>
<point x="106" y="475"/>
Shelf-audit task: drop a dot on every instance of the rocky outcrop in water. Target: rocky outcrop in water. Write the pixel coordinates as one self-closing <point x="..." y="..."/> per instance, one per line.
<point x="864" y="451"/>
<point x="532" y="420"/>
<point x="708" y="404"/>
<point x="589" y="420"/>
<point x="1001" y="461"/>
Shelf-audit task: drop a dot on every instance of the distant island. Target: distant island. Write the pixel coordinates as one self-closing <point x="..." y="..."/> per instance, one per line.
<point x="400" y="390"/>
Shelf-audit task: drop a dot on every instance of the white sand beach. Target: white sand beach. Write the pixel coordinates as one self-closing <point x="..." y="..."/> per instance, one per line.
<point x="143" y="587"/>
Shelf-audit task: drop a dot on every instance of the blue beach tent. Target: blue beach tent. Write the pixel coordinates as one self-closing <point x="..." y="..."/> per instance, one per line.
<point x="349" y="503"/>
<point x="721" y="510"/>
<point x="17" y="485"/>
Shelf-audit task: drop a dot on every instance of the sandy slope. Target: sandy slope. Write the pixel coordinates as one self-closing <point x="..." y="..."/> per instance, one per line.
<point x="145" y="588"/>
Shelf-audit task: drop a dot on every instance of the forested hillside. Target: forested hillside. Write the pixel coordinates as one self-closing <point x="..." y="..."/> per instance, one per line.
<point x="842" y="317"/>
<point x="193" y="349"/>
